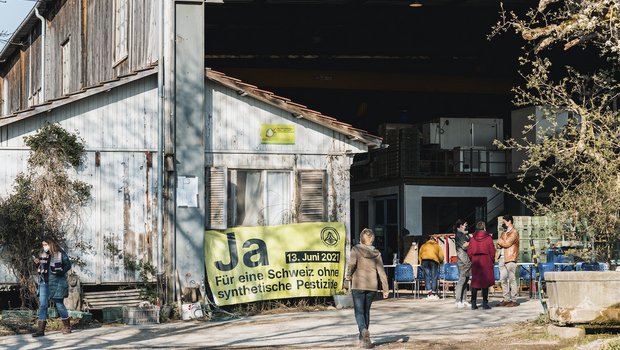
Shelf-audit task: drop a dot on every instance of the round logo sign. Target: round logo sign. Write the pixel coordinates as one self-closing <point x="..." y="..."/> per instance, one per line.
<point x="330" y="236"/>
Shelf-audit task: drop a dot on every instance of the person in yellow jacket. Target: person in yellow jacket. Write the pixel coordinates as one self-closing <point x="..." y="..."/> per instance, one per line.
<point x="431" y="257"/>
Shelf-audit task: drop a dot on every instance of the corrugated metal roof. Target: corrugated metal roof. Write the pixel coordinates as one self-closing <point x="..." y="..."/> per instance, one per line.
<point x="297" y="110"/>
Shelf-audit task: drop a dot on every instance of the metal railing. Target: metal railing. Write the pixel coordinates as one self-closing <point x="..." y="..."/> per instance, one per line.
<point x="398" y="163"/>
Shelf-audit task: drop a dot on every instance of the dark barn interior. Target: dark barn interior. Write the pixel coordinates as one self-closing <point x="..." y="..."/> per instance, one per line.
<point x="370" y="62"/>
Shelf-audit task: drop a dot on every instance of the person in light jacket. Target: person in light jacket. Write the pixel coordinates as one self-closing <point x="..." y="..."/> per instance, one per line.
<point x="53" y="265"/>
<point x="508" y="247"/>
<point x="365" y="263"/>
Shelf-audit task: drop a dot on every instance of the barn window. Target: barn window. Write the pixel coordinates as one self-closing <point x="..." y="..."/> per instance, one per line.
<point x="5" y="97"/>
<point x="253" y="198"/>
<point x="66" y="66"/>
<point x="121" y="25"/>
<point x="312" y="196"/>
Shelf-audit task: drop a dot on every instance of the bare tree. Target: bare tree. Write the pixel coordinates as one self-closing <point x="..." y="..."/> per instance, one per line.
<point x="573" y="173"/>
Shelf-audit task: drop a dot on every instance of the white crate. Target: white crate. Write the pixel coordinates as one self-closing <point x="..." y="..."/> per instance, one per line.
<point x="140" y="315"/>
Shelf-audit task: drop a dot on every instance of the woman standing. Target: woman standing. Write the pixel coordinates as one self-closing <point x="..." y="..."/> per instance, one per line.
<point x="481" y="252"/>
<point x="53" y="266"/>
<point x="364" y="265"/>
<point x="461" y="241"/>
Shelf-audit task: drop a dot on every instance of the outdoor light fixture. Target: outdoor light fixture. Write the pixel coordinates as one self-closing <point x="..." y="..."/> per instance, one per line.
<point x="297" y="115"/>
<point x="242" y="93"/>
<point x="415" y="3"/>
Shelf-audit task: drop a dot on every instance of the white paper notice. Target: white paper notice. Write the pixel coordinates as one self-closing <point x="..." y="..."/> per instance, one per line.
<point x="187" y="191"/>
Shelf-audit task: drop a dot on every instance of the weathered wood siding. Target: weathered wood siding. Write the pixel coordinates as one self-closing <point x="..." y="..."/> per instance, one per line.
<point x="99" y="41"/>
<point x="88" y="28"/>
<point x="119" y="129"/>
<point x="14" y="80"/>
<point x="63" y="27"/>
<point x="143" y="34"/>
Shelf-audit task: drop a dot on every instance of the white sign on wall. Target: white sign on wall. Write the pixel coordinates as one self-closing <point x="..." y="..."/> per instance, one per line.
<point x="187" y="191"/>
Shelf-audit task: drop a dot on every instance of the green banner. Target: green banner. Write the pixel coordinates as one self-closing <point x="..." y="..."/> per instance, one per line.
<point x="246" y="264"/>
<point x="282" y="134"/>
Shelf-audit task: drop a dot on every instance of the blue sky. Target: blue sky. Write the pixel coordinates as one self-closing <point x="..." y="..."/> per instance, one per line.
<point x="12" y="13"/>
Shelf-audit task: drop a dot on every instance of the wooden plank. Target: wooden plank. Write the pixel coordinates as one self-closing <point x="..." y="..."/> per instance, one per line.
<point x="119" y="293"/>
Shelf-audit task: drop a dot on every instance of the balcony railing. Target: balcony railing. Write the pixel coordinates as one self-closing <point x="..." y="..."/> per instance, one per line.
<point x="398" y="163"/>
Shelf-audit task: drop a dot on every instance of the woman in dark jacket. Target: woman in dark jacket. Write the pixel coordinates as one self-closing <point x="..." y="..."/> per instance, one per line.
<point x="53" y="266"/>
<point x="482" y="253"/>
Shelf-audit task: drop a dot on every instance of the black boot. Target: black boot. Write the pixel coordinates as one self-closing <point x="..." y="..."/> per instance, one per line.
<point x="66" y="323"/>
<point x="474" y="293"/>
<point x="485" y="299"/>
<point x="366" y="343"/>
<point x="40" y="329"/>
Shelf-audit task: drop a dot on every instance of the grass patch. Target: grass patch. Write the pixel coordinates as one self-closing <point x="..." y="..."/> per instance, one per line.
<point x="612" y="345"/>
<point x="279" y="306"/>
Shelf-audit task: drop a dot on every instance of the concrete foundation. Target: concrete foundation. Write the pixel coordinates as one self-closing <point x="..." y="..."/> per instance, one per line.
<point x="566" y="332"/>
<point x="583" y="296"/>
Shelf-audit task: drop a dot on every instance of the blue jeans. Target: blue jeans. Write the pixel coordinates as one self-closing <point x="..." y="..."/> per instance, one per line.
<point x="431" y="272"/>
<point x="43" y="300"/>
<point x="362" y="299"/>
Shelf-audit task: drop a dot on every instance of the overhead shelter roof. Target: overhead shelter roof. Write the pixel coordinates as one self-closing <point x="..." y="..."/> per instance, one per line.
<point x="297" y="110"/>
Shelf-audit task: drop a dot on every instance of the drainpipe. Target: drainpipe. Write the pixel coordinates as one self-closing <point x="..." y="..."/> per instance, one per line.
<point x="43" y="23"/>
<point x="160" y="142"/>
<point x="30" y="102"/>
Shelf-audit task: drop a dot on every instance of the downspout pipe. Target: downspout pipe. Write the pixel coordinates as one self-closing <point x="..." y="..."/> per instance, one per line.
<point x="30" y="94"/>
<point x="160" y="143"/>
<point x="43" y="25"/>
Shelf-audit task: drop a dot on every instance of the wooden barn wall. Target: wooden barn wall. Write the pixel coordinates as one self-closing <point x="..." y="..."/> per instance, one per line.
<point x="119" y="129"/>
<point x="99" y="41"/>
<point x="65" y="26"/>
<point x="88" y="26"/>
<point x="32" y="68"/>
<point x="143" y="34"/>
<point x="14" y="84"/>
<point x="2" y="102"/>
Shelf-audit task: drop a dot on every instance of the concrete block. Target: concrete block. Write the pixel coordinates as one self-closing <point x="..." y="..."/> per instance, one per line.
<point x="583" y="296"/>
<point x="566" y="332"/>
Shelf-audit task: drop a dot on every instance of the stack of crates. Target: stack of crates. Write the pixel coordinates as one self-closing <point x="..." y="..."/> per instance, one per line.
<point x="538" y="229"/>
<point x="409" y="150"/>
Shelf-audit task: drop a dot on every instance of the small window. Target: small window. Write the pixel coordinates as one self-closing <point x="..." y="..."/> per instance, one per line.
<point x="121" y="25"/>
<point x="66" y="67"/>
<point x="312" y="196"/>
<point x="4" y="103"/>
<point x="253" y="198"/>
<point x="261" y="198"/>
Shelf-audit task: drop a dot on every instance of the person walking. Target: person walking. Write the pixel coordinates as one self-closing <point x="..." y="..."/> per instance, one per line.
<point x="365" y="263"/>
<point x="53" y="266"/>
<point x="431" y="257"/>
<point x="481" y="253"/>
<point x="508" y="246"/>
<point x="461" y="240"/>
